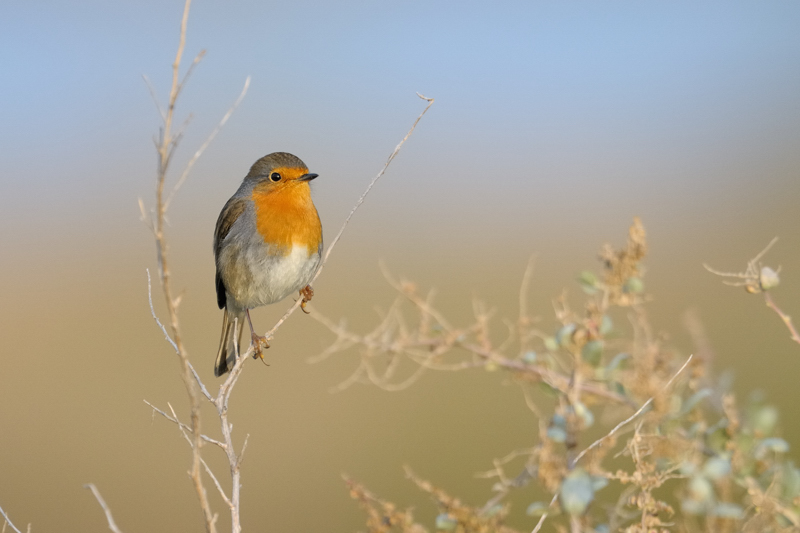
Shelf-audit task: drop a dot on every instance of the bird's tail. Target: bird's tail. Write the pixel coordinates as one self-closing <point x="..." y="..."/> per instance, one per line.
<point x="232" y="324"/>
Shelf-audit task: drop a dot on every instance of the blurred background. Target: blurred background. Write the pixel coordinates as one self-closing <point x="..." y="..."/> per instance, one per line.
<point x="554" y="124"/>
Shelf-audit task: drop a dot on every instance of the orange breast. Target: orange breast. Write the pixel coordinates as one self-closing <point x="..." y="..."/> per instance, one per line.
<point x="286" y="216"/>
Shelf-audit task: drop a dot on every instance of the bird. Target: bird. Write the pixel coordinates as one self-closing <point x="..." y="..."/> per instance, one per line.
<point x="267" y="245"/>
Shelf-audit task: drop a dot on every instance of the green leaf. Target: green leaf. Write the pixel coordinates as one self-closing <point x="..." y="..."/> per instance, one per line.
<point x="791" y="481"/>
<point x="606" y="325"/>
<point x="693" y="400"/>
<point x="774" y="444"/>
<point x="717" y="468"/>
<point x="700" y="489"/>
<point x="765" y="420"/>
<point x="633" y="285"/>
<point x="445" y="522"/>
<point x="536" y="509"/>
<point x="728" y="510"/>
<point x="556" y="434"/>
<point x="548" y="390"/>
<point x="617" y="361"/>
<point x="588" y="282"/>
<point x="564" y="334"/>
<point x="599" y="482"/>
<point x="592" y="352"/>
<point x="576" y="492"/>
<point x="585" y="414"/>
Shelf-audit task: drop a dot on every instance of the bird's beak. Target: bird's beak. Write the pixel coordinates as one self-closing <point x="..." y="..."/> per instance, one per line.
<point x="307" y="177"/>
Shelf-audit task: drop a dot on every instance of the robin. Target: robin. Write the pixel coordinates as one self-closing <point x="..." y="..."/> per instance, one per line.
<point x="267" y="245"/>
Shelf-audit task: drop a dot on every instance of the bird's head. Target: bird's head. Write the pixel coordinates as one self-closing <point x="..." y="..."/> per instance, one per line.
<point x="279" y="171"/>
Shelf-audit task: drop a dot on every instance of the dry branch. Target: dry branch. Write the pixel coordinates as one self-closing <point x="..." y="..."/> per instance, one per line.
<point x="166" y="145"/>
<point x="111" y="524"/>
<point x="8" y="521"/>
<point x="757" y="278"/>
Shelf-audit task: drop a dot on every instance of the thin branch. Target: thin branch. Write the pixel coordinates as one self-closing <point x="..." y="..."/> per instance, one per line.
<point x="111" y="524"/>
<point x="208" y="140"/>
<point x="758" y="257"/>
<point x="175" y="89"/>
<point x="199" y="57"/>
<point x="8" y="521"/>
<point x="355" y="377"/>
<point x="757" y="279"/>
<point x="335" y="240"/>
<point x="166" y="148"/>
<point x="372" y="183"/>
<point x="544" y="515"/>
<point x="183" y="429"/>
<point x="155" y="317"/>
<point x="750" y="273"/>
<point x="244" y="447"/>
<point x="786" y="318"/>
<point x="166" y="144"/>
<point x="155" y="98"/>
<point x="184" y="426"/>
<point x="425" y="351"/>
<point x="639" y="411"/>
<point x="424" y="305"/>
<point x="200" y="383"/>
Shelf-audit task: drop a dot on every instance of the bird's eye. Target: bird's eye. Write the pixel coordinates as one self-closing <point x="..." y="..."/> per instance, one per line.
<point x="275" y="176"/>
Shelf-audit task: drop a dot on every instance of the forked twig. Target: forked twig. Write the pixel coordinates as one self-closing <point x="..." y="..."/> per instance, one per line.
<point x="616" y="428"/>
<point x="166" y="143"/>
<point x="759" y="279"/>
<point x="750" y="273"/>
<point x="639" y="411"/>
<point x="208" y="140"/>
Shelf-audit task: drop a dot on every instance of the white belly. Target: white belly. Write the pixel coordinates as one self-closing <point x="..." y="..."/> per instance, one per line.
<point x="274" y="277"/>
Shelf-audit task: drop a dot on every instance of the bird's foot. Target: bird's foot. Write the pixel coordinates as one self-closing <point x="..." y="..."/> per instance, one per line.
<point x="307" y="293"/>
<point x="258" y="341"/>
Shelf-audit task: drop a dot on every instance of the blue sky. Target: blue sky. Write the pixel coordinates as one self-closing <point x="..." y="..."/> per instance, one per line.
<point x="564" y="89"/>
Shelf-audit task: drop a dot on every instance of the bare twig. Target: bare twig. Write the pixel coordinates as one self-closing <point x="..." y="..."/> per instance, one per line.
<point x="182" y="428"/>
<point x="174" y="419"/>
<point x="786" y="318"/>
<point x="335" y="240"/>
<point x="111" y="524"/>
<point x="750" y="278"/>
<point x="639" y="411"/>
<point x="372" y="183"/>
<point x="759" y="279"/>
<point x="544" y="515"/>
<point x="391" y="337"/>
<point x="166" y="143"/>
<point x="154" y="97"/>
<point x="751" y="265"/>
<point x="208" y="140"/>
<point x="165" y="148"/>
<point x="8" y="521"/>
<point x="155" y="317"/>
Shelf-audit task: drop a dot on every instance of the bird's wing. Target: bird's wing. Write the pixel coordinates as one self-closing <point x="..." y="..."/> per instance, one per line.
<point x="230" y="213"/>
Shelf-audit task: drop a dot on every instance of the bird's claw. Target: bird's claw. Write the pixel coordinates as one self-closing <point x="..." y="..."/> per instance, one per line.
<point x="258" y="341"/>
<point x="307" y="293"/>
